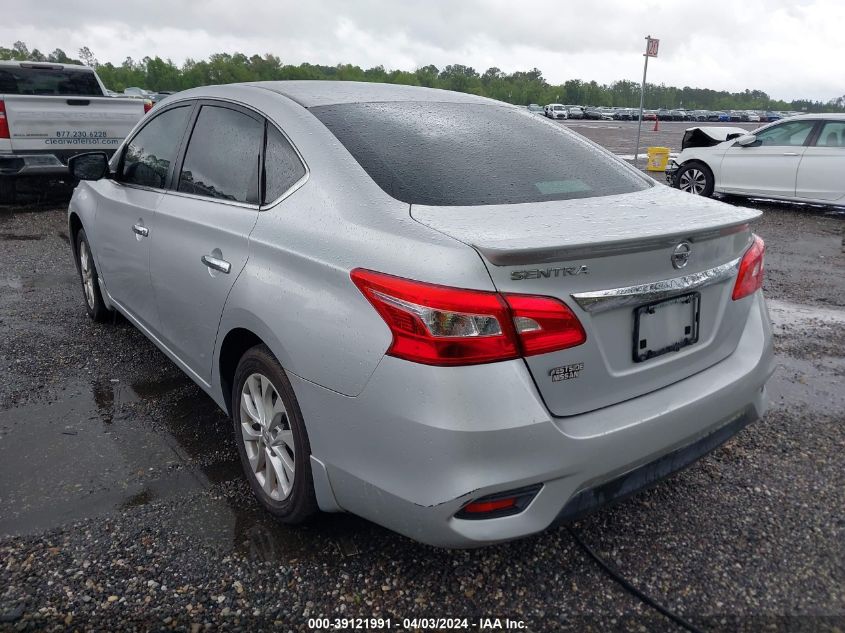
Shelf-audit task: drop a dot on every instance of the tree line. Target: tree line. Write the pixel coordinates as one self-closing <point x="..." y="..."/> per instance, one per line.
<point x="520" y="87"/>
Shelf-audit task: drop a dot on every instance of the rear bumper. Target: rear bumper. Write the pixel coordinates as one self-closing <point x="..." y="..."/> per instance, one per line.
<point x="419" y="443"/>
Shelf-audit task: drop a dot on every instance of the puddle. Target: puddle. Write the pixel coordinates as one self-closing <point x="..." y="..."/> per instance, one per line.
<point x="784" y="313"/>
<point x="105" y="446"/>
<point x="811" y="386"/>
<point x="158" y="447"/>
<point x="14" y="283"/>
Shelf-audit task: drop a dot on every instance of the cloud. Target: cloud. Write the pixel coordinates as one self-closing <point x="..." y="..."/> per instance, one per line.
<point x="789" y="48"/>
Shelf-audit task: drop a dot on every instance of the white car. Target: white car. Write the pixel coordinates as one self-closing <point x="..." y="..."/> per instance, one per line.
<point x="556" y="111"/>
<point x="800" y="159"/>
<point x="753" y="117"/>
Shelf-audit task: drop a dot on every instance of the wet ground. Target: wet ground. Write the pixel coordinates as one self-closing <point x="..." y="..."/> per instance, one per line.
<point x="122" y="503"/>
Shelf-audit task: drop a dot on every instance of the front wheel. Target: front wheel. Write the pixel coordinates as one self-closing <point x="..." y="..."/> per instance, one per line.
<point x="90" y="279"/>
<point x="697" y="179"/>
<point x="271" y="437"/>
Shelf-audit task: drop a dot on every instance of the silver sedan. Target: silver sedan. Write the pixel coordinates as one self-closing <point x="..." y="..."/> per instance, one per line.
<point x="434" y="310"/>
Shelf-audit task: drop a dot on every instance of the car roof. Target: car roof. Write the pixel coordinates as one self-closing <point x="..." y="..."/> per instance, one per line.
<point x="319" y="93"/>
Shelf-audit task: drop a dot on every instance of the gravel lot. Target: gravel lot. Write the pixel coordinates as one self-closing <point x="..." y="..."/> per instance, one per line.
<point x="123" y="504"/>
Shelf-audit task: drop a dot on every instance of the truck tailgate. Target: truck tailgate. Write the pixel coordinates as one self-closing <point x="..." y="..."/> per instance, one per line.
<point x="42" y="123"/>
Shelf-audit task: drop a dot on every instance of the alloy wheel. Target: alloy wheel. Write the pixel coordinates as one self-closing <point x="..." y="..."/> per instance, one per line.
<point x="692" y="181"/>
<point x="87" y="273"/>
<point x="267" y="437"/>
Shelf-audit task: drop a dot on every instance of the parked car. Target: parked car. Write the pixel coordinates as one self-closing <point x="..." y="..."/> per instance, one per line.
<point x="753" y="117"/>
<point x="701" y="115"/>
<point x="664" y="115"/>
<point x="535" y="108"/>
<point x="392" y="330"/>
<point x="595" y="114"/>
<point x="556" y="111"/>
<point x="799" y="159"/>
<point x="574" y="112"/>
<point x="649" y="115"/>
<point x="50" y="112"/>
<point x="718" y="116"/>
<point x="622" y="114"/>
<point x="772" y="116"/>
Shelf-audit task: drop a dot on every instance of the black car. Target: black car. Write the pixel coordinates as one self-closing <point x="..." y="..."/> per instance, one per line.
<point x="664" y="115"/>
<point x="593" y="113"/>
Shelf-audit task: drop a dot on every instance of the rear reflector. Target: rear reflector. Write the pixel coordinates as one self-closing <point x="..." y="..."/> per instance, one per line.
<point x="4" y="122"/>
<point x="501" y="504"/>
<point x="750" y="277"/>
<point x="439" y="325"/>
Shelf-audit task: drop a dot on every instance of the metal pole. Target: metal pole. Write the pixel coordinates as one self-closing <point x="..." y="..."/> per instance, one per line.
<point x="642" y="96"/>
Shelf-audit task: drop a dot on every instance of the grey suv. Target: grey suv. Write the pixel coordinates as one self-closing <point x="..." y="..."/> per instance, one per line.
<point x="465" y="352"/>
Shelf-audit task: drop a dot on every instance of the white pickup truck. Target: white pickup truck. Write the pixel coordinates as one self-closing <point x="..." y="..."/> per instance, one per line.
<point x="50" y="112"/>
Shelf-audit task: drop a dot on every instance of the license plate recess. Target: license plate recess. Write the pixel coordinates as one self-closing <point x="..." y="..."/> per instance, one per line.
<point x="666" y="326"/>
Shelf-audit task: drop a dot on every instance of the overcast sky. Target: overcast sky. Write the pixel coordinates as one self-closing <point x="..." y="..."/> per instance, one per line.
<point x="789" y="48"/>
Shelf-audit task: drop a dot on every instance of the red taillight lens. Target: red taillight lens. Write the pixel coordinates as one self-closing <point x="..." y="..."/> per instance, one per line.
<point x="4" y="122"/>
<point x="439" y="325"/>
<point x="544" y="324"/>
<point x="486" y="507"/>
<point x="148" y="105"/>
<point x="750" y="277"/>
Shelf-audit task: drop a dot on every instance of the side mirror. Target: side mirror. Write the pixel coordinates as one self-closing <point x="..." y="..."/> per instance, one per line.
<point x="746" y="139"/>
<point x="89" y="166"/>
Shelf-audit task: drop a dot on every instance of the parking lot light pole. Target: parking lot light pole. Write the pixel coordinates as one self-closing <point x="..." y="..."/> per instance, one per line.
<point x="650" y="51"/>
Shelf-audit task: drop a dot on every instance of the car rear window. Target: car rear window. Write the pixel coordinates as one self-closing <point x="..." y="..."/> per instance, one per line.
<point x="458" y="154"/>
<point x="49" y="81"/>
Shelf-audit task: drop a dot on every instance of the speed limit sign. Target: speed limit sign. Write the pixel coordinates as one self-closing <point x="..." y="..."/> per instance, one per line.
<point x="651" y="49"/>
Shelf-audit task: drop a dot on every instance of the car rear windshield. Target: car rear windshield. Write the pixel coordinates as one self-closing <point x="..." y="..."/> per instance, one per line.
<point x="49" y="81"/>
<point x="458" y="154"/>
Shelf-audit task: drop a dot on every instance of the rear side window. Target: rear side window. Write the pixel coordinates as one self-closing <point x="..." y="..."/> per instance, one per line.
<point x="282" y="167"/>
<point x="223" y="155"/>
<point x="832" y="134"/>
<point x="472" y="154"/>
<point x="150" y="153"/>
<point x="49" y="81"/>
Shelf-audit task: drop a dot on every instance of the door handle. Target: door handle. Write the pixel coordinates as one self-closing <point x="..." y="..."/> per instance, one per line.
<point x="217" y="264"/>
<point x="143" y="231"/>
<point x="790" y="153"/>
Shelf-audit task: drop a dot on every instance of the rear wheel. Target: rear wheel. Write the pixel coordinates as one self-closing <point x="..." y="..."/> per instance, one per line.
<point x="271" y="437"/>
<point x="696" y="178"/>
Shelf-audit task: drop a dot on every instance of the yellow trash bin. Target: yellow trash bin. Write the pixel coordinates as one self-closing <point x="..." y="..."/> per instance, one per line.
<point x="658" y="158"/>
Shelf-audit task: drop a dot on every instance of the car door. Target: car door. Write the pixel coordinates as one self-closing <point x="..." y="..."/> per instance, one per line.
<point x="202" y="229"/>
<point x="767" y="167"/>
<point x="125" y="221"/>
<point x="821" y="174"/>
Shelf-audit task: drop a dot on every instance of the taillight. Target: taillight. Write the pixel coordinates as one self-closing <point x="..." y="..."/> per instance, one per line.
<point x="544" y="324"/>
<point x="750" y="277"/>
<point x="148" y="105"/>
<point x="439" y="325"/>
<point x="4" y="122"/>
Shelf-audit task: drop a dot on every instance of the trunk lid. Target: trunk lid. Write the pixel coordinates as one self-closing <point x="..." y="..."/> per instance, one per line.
<point x="605" y="257"/>
<point x="43" y="123"/>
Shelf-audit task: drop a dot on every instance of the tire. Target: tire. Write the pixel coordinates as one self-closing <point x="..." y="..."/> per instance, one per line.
<point x="7" y="190"/>
<point x="695" y="178"/>
<point x="268" y="447"/>
<point x="89" y="280"/>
